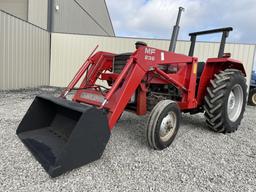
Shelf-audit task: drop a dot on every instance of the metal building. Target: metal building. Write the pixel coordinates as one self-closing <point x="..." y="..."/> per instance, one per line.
<point x="36" y="47"/>
<point x="80" y="16"/>
<point x="70" y="50"/>
<point x="63" y="16"/>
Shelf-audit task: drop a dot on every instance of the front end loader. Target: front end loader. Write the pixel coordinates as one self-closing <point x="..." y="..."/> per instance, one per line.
<point x="65" y="134"/>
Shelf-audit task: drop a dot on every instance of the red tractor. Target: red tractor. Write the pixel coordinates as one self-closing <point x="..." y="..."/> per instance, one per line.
<point x="64" y="134"/>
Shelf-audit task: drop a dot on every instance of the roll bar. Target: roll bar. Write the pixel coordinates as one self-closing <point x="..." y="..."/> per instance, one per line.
<point x="224" y="31"/>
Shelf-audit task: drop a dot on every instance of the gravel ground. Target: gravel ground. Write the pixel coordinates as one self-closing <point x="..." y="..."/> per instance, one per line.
<point x="198" y="159"/>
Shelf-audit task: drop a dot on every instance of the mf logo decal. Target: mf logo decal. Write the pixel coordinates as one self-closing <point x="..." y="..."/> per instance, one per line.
<point x="150" y="54"/>
<point x="150" y="51"/>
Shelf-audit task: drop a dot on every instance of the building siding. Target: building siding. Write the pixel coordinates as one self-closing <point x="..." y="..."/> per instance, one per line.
<point x="19" y="8"/>
<point x="72" y="17"/>
<point x="99" y="11"/>
<point x="69" y="52"/>
<point x="38" y="12"/>
<point x="24" y="54"/>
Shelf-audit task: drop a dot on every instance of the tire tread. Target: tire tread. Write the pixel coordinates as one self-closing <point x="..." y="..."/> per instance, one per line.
<point x="214" y="100"/>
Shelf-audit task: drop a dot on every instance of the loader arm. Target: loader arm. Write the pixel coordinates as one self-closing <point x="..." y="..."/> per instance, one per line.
<point x="116" y="99"/>
<point x="143" y="61"/>
<point x="119" y="97"/>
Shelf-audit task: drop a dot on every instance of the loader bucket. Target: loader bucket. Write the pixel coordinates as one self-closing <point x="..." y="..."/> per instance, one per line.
<point x="63" y="135"/>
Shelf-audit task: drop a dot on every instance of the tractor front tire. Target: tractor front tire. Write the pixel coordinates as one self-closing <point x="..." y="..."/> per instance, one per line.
<point x="225" y="101"/>
<point x="252" y="97"/>
<point x="163" y="124"/>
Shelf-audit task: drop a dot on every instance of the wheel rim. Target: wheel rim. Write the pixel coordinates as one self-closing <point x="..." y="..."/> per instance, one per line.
<point x="254" y="98"/>
<point x="167" y="126"/>
<point x="235" y="103"/>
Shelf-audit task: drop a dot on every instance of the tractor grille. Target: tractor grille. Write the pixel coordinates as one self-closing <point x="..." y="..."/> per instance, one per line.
<point x="120" y="61"/>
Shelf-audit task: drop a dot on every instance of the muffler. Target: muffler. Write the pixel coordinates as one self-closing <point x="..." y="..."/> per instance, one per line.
<point x="63" y="135"/>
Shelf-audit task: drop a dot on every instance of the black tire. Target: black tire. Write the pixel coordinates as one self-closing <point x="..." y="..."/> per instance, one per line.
<point x="252" y="97"/>
<point x="217" y="98"/>
<point x="162" y="110"/>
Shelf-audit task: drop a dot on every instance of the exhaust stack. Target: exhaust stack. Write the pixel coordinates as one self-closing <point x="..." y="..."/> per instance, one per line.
<point x="175" y="31"/>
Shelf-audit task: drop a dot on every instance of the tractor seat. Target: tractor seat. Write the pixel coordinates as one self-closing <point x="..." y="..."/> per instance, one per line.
<point x="200" y="68"/>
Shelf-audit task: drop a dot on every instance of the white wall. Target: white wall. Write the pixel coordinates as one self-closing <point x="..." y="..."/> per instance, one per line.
<point x="69" y="52"/>
<point x="38" y="12"/>
<point x="19" y="8"/>
<point x="24" y="54"/>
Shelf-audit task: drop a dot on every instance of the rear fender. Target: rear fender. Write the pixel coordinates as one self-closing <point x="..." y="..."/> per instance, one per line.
<point x="214" y="66"/>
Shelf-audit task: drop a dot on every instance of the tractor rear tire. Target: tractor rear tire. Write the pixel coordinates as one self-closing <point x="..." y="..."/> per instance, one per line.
<point x="163" y="124"/>
<point x="252" y="97"/>
<point x="225" y="101"/>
